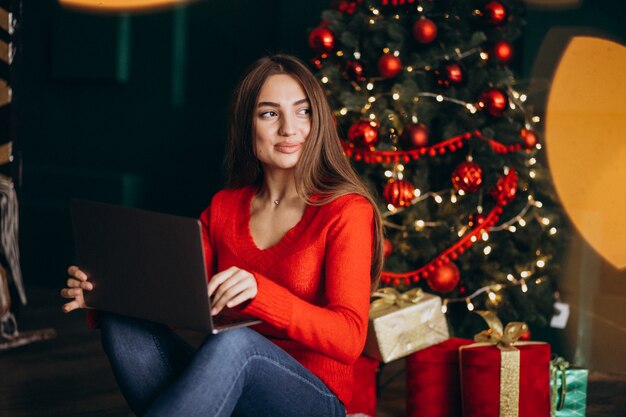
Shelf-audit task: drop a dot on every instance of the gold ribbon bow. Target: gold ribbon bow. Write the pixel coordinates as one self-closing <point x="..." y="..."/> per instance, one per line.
<point x="389" y="298"/>
<point x="496" y="334"/>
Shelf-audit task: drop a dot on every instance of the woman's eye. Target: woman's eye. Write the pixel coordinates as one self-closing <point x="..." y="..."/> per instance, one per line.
<point x="306" y="111"/>
<point x="267" y="114"/>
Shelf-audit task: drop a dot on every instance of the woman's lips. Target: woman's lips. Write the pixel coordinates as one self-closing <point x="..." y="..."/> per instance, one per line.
<point x="287" y="147"/>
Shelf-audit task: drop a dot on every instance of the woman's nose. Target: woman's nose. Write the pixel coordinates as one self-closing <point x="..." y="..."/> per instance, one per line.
<point x="287" y="126"/>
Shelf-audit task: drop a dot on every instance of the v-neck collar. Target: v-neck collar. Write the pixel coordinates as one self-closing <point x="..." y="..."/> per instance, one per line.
<point x="244" y="220"/>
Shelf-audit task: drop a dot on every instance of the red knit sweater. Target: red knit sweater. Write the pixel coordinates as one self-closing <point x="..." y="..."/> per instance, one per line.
<point x="313" y="285"/>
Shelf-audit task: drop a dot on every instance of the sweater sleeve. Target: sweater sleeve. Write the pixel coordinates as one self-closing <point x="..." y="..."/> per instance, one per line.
<point x="339" y="327"/>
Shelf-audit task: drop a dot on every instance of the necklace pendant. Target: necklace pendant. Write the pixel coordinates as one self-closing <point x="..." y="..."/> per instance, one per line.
<point x="276" y="202"/>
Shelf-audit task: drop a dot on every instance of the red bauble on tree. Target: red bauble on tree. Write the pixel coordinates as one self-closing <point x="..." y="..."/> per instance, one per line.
<point x="321" y="40"/>
<point x="449" y="74"/>
<point x="387" y="248"/>
<point x="353" y="70"/>
<point x="363" y="134"/>
<point x="506" y="188"/>
<point x="399" y="193"/>
<point x="424" y="30"/>
<point x="445" y="278"/>
<point x="494" y="101"/>
<point x="389" y="65"/>
<point x="529" y="138"/>
<point x="468" y="176"/>
<point x="415" y="135"/>
<point x="502" y="51"/>
<point x="494" y="13"/>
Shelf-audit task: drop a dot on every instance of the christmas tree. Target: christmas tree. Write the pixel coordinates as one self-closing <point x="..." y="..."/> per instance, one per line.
<point x="435" y="120"/>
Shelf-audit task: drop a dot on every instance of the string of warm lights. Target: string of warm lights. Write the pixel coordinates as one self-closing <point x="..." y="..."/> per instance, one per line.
<point x="436" y="195"/>
<point x="492" y="291"/>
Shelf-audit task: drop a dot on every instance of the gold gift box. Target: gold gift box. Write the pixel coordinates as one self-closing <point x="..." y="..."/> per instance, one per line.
<point x="404" y="324"/>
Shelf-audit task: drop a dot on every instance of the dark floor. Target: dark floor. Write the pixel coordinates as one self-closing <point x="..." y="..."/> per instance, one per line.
<point x="69" y="376"/>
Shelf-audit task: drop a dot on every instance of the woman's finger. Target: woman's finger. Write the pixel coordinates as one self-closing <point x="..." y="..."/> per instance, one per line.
<point x="71" y="292"/>
<point x="242" y="282"/>
<point x="247" y="294"/>
<point x="73" y="282"/>
<point x="72" y="305"/>
<point x="77" y="273"/>
<point x="219" y="278"/>
<point x="228" y="295"/>
<point x="227" y="284"/>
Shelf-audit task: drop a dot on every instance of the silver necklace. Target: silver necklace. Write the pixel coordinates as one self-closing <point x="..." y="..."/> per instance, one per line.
<point x="276" y="202"/>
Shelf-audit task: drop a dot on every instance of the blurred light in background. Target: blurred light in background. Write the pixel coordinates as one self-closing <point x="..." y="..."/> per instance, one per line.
<point x="121" y="6"/>
<point x="554" y="4"/>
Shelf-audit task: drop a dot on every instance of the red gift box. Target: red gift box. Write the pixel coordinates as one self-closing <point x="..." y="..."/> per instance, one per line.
<point x="364" y="387"/>
<point x="432" y="380"/>
<point x="493" y="385"/>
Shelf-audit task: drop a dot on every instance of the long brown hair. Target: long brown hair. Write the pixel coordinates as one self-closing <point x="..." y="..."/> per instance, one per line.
<point x="322" y="169"/>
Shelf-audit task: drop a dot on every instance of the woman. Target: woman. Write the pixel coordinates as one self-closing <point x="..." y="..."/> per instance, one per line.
<point x="295" y="240"/>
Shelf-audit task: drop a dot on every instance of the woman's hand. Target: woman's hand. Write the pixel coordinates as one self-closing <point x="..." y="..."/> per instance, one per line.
<point x="76" y="283"/>
<point x="230" y="288"/>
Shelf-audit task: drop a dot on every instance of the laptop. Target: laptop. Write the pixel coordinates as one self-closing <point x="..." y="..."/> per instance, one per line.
<point x="146" y="265"/>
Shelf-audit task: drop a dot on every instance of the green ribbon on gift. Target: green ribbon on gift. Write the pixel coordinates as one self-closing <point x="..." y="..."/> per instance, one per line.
<point x="390" y="298"/>
<point x="558" y="365"/>
<point x="569" y="389"/>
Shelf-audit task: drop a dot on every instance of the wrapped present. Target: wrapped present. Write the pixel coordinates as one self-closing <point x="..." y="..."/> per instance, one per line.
<point x="501" y="377"/>
<point x="433" y="388"/>
<point x="569" y="389"/>
<point x="400" y="324"/>
<point x="364" y="388"/>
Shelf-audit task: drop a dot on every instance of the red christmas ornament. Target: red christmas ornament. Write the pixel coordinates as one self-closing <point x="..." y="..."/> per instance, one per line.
<point x="321" y="40"/>
<point x="468" y="176"/>
<point x="526" y="336"/>
<point x="415" y="135"/>
<point x="387" y="248"/>
<point x="502" y="51"/>
<point x="353" y="70"/>
<point x="529" y="138"/>
<point x="363" y="134"/>
<point x="389" y="65"/>
<point x="450" y="74"/>
<point x="475" y="220"/>
<point x="506" y="188"/>
<point x="494" y="101"/>
<point x="399" y="193"/>
<point x="445" y="278"/>
<point x="424" y="30"/>
<point x="494" y="13"/>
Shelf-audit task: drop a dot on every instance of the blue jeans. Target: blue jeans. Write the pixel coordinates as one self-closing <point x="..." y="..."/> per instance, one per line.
<point x="236" y="373"/>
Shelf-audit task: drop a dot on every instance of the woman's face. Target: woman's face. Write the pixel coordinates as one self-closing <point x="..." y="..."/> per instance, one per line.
<point x="282" y="122"/>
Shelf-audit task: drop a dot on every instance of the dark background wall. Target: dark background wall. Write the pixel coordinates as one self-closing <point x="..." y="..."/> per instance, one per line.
<point x="132" y="109"/>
